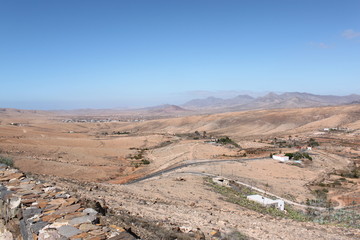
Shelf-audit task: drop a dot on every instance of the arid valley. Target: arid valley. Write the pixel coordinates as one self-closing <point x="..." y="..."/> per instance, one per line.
<point x="155" y="171"/>
<point x="179" y="120"/>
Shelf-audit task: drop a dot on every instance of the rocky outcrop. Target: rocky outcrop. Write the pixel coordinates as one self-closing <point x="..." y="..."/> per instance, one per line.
<point x="31" y="209"/>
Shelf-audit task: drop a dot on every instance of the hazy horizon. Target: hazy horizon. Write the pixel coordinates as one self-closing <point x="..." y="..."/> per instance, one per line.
<point x="126" y="54"/>
<point x="179" y="99"/>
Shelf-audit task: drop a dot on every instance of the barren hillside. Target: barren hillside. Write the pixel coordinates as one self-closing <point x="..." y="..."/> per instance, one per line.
<point x="256" y="123"/>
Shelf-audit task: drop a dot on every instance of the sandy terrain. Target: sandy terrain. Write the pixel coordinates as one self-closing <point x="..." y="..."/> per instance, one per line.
<point x="112" y="152"/>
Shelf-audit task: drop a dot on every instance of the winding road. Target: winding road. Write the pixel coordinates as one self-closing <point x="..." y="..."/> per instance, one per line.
<point x="201" y="162"/>
<point x="190" y="163"/>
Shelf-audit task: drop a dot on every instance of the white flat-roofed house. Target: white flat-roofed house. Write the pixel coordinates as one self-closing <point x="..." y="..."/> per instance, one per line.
<point x="267" y="202"/>
<point x="280" y="157"/>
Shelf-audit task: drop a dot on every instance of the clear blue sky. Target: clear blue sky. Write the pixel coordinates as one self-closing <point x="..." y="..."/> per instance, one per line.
<point x="97" y="54"/>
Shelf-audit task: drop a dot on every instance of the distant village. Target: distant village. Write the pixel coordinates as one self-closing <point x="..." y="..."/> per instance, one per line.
<point x="92" y="120"/>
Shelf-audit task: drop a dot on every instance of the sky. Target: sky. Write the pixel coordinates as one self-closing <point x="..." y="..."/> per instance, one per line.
<point x="114" y="54"/>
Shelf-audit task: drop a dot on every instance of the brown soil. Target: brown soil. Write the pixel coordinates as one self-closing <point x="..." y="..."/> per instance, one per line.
<point x="41" y="143"/>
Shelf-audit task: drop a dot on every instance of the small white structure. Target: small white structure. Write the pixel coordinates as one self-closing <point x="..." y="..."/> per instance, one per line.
<point x="267" y="202"/>
<point x="309" y="148"/>
<point x="281" y="157"/>
<point x="221" y="181"/>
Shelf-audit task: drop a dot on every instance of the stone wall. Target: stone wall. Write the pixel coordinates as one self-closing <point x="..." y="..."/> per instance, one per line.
<point x="31" y="209"/>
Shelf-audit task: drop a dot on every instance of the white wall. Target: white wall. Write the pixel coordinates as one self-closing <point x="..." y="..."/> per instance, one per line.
<point x="281" y="158"/>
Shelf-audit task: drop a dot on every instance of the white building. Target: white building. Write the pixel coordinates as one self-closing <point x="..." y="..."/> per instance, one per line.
<point x="221" y="181"/>
<point x="267" y="202"/>
<point x="281" y="157"/>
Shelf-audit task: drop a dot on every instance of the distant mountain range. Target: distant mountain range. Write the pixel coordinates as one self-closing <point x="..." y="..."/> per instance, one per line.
<point x="218" y="105"/>
<point x="213" y="102"/>
<point x="270" y="101"/>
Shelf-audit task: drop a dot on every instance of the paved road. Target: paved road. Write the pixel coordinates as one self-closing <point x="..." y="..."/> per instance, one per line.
<point x="191" y="163"/>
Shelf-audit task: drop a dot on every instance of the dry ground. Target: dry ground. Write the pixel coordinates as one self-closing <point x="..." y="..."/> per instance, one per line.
<point x="191" y="204"/>
<point x="41" y="143"/>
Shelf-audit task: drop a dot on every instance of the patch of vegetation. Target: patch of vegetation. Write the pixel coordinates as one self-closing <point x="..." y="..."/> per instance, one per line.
<point x="195" y="135"/>
<point x="320" y="200"/>
<point x="145" y="161"/>
<point x="238" y="196"/>
<point x="313" y="143"/>
<point x="139" y="157"/>
<point x="334" y="183"/>
<point x="341" y="217"/>
<point x="226" y="140"/>
<point x="7" y="161"/>
<point x="298" y="155"/>
<point x="234" y="156"/>
<point x="120" y="133"/>
<point x="353" y="173"/>
<point x="139" y="149"/>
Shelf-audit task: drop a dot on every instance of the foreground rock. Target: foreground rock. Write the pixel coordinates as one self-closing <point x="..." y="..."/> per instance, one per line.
<point x="31" y="209"/>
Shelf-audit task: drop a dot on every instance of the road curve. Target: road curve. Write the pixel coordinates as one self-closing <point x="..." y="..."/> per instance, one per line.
<point x="200" y="162"/>
<point x="192" y="163"/>
<point x="262" y="191"/>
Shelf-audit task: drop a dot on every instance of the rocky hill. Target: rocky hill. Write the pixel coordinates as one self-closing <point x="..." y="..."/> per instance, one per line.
<point x="270" y="101"/>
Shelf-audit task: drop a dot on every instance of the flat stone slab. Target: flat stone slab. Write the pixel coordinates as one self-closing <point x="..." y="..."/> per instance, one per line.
<point x="27" y="186"/>
<point x="67" y="210"/>
<point x="123" y="236"/>
<point x="90" y="211"/>
<point x="50" y="234"/>
<point x="36" y="227"/>
<point x="68" y="231"/>
<point x="30" y="212"/>
<point x="74" y="215"/>
<point x="88" y="227"/>
<point x="5" y="193"/>
<point x="83" y="219"/>
<point x="51" y="217"/>
<point x="12" y="176"/>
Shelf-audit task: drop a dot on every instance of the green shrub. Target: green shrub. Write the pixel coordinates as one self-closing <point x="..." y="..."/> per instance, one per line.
<point x="7" y="161"/>
<point x="298" y="155"/>
<point x="120" y="133"/>
<point x="145" y="161"/>
<point x="227" y="140"/>
<point x="313" y="143"/>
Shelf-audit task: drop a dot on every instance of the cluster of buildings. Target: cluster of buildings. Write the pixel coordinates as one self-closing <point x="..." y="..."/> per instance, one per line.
<point x="336" y="129"/>
<point x="92" y="120"/>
